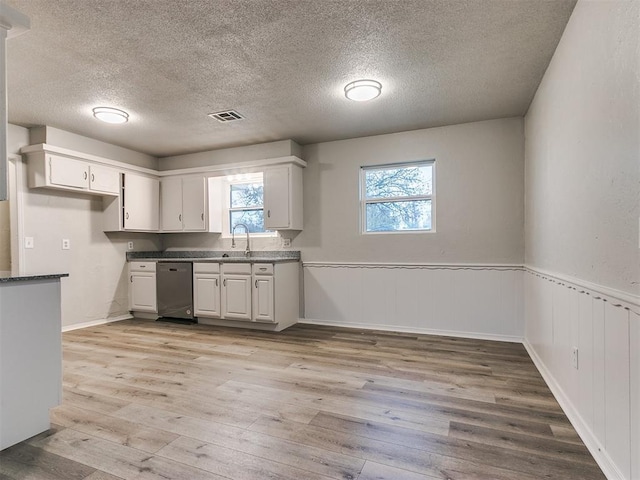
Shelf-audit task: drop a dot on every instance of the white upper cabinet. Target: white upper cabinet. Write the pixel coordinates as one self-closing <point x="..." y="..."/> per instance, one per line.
<point x="171" y="200"/>
<point x="141" y="202"/>
<point x="104" y="180"/>
<point x="64" y="173"/>
<point x="194" y="204"/>
<point x="186" y="207"/>
<point x="137" y="208"/>
<point x="283" y="198"/>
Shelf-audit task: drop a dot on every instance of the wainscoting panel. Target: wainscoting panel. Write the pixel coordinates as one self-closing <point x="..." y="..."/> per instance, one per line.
<point x="634" y="324"/>
<point x="601" y="395"/>
<point x="482" y="301"/>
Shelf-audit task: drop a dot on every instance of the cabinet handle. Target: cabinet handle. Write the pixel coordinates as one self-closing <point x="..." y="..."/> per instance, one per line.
<point x="127" y="216"/>
<point x="180" y="217"/>
<point x="256" y="283"/>
<point x="268" y="213"/>
<point x="216" y="282"/>
<point x="131" y="278"/>
<point x="224" y="282"/>
<point x="202" y="217"/>
<point x="85" y="175"/>
<point x="93" y="177"/>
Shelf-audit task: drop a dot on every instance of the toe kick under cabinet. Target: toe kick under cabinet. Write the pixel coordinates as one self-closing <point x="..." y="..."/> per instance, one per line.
<point x="251" y="295"/>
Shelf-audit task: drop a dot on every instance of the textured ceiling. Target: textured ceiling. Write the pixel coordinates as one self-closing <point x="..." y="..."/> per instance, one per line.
<point x="280" y="63"/>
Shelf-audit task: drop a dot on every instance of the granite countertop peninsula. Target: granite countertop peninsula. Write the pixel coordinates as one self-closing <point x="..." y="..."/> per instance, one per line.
<point x="218" y="256"/>
<point x="6" y="277"/>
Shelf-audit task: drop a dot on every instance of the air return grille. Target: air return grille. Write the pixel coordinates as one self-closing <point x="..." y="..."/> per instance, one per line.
<point x="226" y="116"/>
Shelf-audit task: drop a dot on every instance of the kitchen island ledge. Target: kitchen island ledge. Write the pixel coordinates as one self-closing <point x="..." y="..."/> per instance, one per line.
<point x="30" y="353"/>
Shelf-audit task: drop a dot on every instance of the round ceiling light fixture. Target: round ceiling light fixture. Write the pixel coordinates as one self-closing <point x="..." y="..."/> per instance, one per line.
<point x="362" y="90"/>
<point x="110" y="115"/>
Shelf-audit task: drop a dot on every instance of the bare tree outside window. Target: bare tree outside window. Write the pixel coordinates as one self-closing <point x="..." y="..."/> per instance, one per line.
<point x="246" y="206"/>
<point x="397" y="198"/>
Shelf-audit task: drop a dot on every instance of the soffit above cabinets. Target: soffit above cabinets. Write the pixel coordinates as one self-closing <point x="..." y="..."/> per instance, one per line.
<point x="281" y="64"/>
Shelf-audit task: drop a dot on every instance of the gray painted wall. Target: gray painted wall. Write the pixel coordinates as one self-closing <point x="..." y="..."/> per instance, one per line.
<point x="97" y="284"/>
<point x="281" y="148"/>
<point x="17" y="137"/>
<point x="479" y="195"/>
<point x="73" y="141"/>
<point x="583" y="149"/>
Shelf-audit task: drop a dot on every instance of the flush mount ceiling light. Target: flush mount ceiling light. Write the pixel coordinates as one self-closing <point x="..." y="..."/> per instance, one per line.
<point x="362" y="90"/>
<point x="110" y="115"/>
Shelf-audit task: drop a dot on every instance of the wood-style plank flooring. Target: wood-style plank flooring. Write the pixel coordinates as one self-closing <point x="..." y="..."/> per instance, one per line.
<point x="148" y="401"/>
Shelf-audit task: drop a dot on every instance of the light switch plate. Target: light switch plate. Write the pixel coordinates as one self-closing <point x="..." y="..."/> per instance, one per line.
<point x="28" y="242"/>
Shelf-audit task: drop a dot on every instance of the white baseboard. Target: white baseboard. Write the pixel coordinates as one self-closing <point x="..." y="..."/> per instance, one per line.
<point x="93" y="323"/>
<point x="421" y="331"/>
<point x="596" y="449"/>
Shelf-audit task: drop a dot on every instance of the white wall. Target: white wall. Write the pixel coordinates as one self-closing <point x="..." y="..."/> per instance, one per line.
<point x="582" y="210"/>
<point x="479" y="218"/>
<point x="96" y="288"/>
<point x="472" y="302"/>
<point x="602" y="396"/>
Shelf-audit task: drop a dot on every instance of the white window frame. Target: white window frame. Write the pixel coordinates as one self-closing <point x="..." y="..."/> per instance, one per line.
<point x="364" y="201"/>
<point x="226" y="203"/>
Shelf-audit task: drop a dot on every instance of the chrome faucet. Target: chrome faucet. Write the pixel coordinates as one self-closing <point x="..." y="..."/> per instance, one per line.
<point x="247" y="251"/>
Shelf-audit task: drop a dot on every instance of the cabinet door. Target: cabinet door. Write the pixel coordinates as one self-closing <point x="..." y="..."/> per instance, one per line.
<point x="194" y="204"/>
<point x="142" y="292"/>
<point x="171" y="199"/>
<point x="276" y="198"/>
<point x="141" y="202"/>
<point x="68" y="173"/>
<point x="104" y="180"/>
<point x="206" y="295"/>
<point x="262" y="304"/>
<point x="236" y="297"/>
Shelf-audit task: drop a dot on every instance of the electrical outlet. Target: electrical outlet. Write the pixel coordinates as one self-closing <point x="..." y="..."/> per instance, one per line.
<point x="66" y="244"/>
<point x="28" y="242"/>
<point x="129" y="245"/>
<point x="286" y="242"/>
<point x="574" y="357"/>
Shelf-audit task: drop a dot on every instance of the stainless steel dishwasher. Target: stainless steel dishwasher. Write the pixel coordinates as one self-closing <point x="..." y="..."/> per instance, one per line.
<point x="175" y="290"/>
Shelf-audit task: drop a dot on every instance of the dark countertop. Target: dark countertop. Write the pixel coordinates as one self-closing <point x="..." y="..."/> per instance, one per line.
<point x="216" y="256"/>
<point x="7" y="277"/>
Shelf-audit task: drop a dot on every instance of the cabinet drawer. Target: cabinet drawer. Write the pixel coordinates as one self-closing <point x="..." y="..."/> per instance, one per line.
<point x="142" y="266"/>
<point x="263" y="268"/>
<point x="237" y="268"/>
<point x="206" y="268"/>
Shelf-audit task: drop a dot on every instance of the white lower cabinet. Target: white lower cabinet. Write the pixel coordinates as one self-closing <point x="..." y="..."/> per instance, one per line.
<point x="206" y="290"/>
<point x="265" y="295"/>
<point x="236" y="291"/>
<point x="142" y="287"/>
<point x="262" y="298"/>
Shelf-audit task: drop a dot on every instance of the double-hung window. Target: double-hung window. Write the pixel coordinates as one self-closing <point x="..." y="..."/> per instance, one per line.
<point x="398" y="197"/>
<point x="244" y="203"/>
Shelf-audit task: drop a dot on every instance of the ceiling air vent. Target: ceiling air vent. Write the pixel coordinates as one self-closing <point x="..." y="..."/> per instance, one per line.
<point x="226" y="116"/>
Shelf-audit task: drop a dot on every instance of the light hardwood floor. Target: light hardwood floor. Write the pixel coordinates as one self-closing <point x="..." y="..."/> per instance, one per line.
<point x="149" y="400"/>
